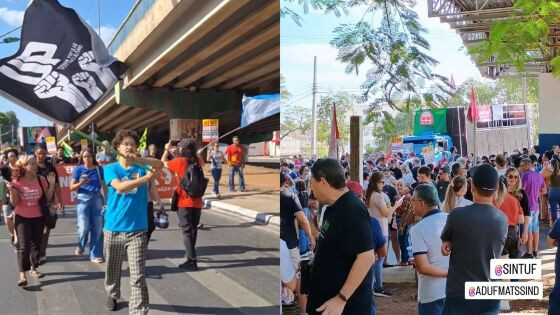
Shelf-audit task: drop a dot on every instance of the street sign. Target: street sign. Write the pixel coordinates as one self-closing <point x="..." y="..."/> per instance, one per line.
<point x="51" y="145"/>
<point x="210" y="130"/>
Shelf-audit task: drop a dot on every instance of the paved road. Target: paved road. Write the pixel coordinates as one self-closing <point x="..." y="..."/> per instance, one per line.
<point x="238" y="272"/>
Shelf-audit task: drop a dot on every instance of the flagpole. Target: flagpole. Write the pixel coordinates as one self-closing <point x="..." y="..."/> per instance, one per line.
<point x="474" y="139"/>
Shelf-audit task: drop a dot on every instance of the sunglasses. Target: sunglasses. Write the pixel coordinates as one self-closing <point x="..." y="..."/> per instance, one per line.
<point x="513" y="177"/>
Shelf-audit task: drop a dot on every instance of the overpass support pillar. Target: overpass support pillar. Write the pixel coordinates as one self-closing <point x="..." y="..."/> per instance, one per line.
<point x="549" y="111"/>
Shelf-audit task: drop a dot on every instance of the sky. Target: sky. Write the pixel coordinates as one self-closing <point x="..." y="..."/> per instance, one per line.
<point x="112" y="14"/>
<point x="298" y="45"/>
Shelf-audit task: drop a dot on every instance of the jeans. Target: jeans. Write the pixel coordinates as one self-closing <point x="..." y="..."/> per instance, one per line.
<point x="232" y="171"/>
<point x="188" y="220"/>
<point x="432" y="308"/>
<point x="378" y="271"/>
<point x="90" y="220"/>
<point x="460" y="306"/>
<point x="404" y="242"/>
<point x="554" y="201"/>
<point x="217" y="174"/>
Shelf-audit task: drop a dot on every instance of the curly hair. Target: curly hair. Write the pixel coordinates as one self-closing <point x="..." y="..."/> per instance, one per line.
<point x="21" y="163"/>
<point x="123" y="133"/>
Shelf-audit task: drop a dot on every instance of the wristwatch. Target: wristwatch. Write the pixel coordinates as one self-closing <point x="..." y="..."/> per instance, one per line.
<point x="342" y="297"/>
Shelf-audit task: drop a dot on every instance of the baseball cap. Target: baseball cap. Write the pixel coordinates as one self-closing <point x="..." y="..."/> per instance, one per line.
<point x="485" y="177"/>
<point x="355" y="187"/>
<point x="445" y="169"/>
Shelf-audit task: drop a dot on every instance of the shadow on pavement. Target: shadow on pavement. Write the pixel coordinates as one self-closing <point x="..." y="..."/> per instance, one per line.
<point x="214" y="310"/>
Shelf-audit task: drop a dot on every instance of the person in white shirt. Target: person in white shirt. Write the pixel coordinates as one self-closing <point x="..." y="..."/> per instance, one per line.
<point x="432" y="266"/>
<point x="455" y="195"/>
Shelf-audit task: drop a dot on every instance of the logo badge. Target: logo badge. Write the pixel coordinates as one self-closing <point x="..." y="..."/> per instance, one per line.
<point x="426" y="118"/>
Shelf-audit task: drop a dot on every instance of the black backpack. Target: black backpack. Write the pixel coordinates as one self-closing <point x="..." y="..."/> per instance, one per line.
<point x="193" y="181"/>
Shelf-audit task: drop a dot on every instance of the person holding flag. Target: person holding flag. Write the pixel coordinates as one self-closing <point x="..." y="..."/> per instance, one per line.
<point x="126" y="221"/>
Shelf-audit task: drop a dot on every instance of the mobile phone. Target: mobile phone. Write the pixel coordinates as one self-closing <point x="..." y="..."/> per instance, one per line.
<point x="174" y="142"/>
<point x="401" y="199"/>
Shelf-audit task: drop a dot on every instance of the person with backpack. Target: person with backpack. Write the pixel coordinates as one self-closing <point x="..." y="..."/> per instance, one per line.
<point x="192" y="185"/>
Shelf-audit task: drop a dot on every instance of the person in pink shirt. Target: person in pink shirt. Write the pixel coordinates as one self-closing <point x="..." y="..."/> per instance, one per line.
<point x="25" y="192"/>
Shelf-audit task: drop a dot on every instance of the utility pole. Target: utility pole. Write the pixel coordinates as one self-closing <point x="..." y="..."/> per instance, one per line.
<point x="12" y="135"/>
<point x="313" y="109"/>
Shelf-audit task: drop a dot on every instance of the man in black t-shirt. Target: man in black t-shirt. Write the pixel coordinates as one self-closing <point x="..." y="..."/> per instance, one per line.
<point x="442" y="182"/>
<point x="395" y="169"/>
<point x="473" y="235"/>
<point x="340" y="280"/>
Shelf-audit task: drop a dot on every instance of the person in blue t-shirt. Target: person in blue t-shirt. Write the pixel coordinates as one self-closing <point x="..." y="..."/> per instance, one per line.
<point x="126" y="221"/>
<point x="87" y="179"/>
<point x="554" y="240"/>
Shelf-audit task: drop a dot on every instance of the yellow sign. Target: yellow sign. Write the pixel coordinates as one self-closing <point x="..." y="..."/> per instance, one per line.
<point x="51" y="145"/>
<point x="210" y="130"/>
<point x="210" y="122"/>
<point x="84" y="143"/>
<point x="396" y="140"/>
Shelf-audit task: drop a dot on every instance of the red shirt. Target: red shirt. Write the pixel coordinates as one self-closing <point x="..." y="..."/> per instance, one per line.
<point x="512" y="209"/>
<point x="29" y="195"/>
<point x="179" y="165"/>
<point x="235" y="155"/>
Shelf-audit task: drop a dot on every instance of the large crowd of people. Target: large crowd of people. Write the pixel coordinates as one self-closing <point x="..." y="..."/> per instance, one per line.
<point x="445" y="219"/>
<point x="116" y="196"/>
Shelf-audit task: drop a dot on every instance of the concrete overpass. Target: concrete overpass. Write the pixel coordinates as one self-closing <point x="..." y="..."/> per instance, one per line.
<point x="473" y="19"/>
<point x="192" y="60"/>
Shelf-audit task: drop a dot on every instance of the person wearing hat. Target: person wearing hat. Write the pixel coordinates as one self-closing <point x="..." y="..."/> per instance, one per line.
<point x="472" y="236"/>
<point x="104" y="155"/>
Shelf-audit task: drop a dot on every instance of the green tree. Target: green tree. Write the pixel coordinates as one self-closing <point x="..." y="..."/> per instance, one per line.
<point x="344" y="104"/>
<point x="285" y="95"/>
<point x="524" y="38"/>
<point x="7" y="120"/>
<point x="387" y="128"/>
<point x="294" y="118"/>
<point x="402" y="68"/>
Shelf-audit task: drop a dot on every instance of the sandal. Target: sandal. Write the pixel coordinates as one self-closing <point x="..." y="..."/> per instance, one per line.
<point x="36" y="274"/>
<point x="98" y="260"/>
<point x="78" y="252"/>
<point x="22" y="282"/>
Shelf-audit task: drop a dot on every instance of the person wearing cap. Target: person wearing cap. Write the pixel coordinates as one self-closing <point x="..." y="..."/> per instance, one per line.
<point x="104" y="156"/>
<point x="472" y="236"/>
<point x="533" y="183"/>
<point x="341" y="275"/>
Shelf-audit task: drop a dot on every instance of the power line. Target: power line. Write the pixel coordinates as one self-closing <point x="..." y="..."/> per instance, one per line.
<point x="15" y="29"/>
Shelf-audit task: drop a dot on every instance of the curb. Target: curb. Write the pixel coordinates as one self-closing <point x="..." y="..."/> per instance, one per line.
<point x="266" y="219"/>
<point x="399" y="274"/>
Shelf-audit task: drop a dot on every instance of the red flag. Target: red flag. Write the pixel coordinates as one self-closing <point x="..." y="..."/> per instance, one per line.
<point x="473" y="110"/>
<point x="335" y="137"/>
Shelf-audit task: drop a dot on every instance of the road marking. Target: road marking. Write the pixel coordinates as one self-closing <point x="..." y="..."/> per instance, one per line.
<point x="224" y="287"/>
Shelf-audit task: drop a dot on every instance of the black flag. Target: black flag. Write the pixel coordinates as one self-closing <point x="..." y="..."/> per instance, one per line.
<point x="62" y="67"/>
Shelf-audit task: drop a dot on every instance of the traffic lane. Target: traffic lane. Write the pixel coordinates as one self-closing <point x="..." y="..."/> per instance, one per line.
<point x="250" y="268"/>
<point x="243" y="252"/>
